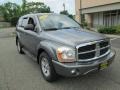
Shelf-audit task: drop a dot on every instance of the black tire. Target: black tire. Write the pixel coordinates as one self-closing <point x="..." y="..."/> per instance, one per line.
<point x="52" y="76"/>
<point x="19" y="47"/>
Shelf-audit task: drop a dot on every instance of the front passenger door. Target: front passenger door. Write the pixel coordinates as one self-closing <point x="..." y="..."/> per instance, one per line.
<point x="32" y="37"/>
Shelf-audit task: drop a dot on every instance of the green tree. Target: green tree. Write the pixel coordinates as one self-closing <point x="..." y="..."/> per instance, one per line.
<point x="65" y="12"/>
<point x="11" y="11"/>
<point x="37" y="7"/>
<point x="23" y="7"/>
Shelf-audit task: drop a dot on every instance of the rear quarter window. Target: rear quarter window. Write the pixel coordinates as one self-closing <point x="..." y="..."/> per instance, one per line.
<point x="19" y="23"/>
<point x="24" y="22"/>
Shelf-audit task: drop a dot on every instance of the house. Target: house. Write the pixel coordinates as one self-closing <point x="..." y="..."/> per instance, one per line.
<point x="98" y="12"/>
<point x="3" y="23"/>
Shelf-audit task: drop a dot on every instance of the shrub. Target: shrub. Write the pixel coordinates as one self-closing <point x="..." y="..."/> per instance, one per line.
<point x="117" y="29"/>
<point x="107" y="30"/>
<point x="84" y="24"/>
<point x="14" y="20"/>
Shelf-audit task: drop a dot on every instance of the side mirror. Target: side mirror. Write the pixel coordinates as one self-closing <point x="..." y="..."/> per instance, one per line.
<point x="29" y="27"/>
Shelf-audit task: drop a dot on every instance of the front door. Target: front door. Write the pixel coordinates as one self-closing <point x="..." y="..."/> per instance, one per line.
<point x="32" y="37"/>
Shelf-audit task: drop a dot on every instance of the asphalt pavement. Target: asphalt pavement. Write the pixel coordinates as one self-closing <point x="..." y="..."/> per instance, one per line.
<point x="20" y="72"/>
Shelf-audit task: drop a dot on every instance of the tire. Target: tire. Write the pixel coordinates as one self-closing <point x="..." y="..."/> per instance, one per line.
<point x="47" y="68"/>
<point x="19" y="47"/>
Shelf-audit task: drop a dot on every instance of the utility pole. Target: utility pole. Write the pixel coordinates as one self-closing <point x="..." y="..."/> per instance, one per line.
<point x="64" y="6"/>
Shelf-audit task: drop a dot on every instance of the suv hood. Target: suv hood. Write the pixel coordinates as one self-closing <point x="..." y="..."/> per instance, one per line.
<point x="73" y="37"/>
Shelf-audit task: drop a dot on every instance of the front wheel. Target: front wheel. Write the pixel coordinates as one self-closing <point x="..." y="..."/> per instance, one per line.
<point x="47" y="68"/>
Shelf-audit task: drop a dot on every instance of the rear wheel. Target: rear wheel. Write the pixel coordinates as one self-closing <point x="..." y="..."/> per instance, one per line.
<point x="47" y="68"/>
<point x="19" y="47"/>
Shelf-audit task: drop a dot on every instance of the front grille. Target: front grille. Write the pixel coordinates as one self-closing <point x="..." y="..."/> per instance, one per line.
<point x="86" y="48"/>
<point x="104" y="44"/>
<point x="103" y="51"/>
<point x="86" y="55"/>
<point x="90" y="50"/>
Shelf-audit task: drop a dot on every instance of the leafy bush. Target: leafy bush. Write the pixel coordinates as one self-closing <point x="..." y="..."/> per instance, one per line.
<point x="107" y="30"/>
<point x="110" y="30"/>
<point x="14" y="21"/>
<point x="117" y="29"/>
<point x="84" y="24"/>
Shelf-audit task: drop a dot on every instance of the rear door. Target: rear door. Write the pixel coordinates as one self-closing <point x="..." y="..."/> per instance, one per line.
<point x="20" y="29"/>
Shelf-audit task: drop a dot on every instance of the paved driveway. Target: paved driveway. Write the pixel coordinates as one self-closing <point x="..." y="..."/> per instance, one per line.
<point x="19" y="72"/>
<point x="7" y="32"/>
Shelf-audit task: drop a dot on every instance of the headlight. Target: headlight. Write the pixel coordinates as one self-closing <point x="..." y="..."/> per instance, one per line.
<point x="65" y="54"/>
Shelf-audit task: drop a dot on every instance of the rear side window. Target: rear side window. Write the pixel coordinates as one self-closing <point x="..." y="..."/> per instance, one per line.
<point x="24" y="22"/>
<point x="19" y="22"/>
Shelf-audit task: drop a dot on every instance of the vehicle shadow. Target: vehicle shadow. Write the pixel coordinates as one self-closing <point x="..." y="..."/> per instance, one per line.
<point x="92" y="81"/>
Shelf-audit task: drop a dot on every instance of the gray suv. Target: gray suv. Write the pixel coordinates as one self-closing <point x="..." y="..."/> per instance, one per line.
<point x="61" y="46"/>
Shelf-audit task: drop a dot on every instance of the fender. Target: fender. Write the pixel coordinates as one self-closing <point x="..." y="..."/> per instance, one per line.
<point x="48" y="47"/>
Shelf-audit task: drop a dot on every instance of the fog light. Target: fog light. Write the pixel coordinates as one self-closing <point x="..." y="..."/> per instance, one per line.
<point x="73" y="71"/>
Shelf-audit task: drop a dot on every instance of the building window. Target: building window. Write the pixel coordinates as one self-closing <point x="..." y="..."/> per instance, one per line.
<point x="111" y="18"/>
<point x="118" y="17"/>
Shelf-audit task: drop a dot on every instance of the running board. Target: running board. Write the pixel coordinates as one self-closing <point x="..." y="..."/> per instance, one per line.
<point x="29" y="54"/>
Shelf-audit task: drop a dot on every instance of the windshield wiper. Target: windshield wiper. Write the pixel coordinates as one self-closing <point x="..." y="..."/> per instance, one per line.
<point x="50" y="29"/>
<point x="69" y="27"/>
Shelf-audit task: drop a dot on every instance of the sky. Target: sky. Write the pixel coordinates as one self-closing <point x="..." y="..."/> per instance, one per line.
<point x="55" y="5"/>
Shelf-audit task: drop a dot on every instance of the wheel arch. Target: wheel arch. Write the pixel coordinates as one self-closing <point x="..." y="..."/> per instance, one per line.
<point x="48" y="47"/>
<point x="46" y="50"/>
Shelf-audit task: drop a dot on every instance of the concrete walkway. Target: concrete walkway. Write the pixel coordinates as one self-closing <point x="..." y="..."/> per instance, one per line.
<point x="114" y="36"/>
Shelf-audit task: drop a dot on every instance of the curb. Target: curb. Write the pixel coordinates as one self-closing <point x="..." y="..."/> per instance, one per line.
<point x="112" y="36"/>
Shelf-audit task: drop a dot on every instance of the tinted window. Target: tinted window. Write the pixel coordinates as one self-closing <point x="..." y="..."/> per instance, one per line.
<point x="24" y="22"/>
<point x="31" y="21"/>
<point x="19" y="22"/>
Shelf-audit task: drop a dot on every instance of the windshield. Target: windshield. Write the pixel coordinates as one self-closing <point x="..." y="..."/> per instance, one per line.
<point x="55" y="22"/>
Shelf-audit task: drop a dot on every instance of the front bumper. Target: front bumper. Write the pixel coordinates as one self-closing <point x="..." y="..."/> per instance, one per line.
<point x="76" y="69"/>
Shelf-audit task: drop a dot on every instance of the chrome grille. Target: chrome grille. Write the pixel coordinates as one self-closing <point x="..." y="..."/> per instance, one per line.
<point x="87" y="55"/>
<point x="103" y="51"/>
<point x="93" y="50"/>
<point x="86" y="48"/>
<point x="104" y="44"/>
